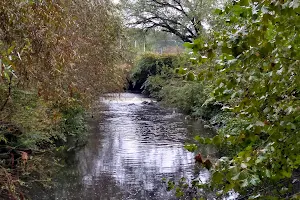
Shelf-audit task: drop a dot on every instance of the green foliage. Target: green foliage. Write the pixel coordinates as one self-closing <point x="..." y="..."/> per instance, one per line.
<point x="162" y="77"/>
<point x="42" y="128"/>
<point x="252" y="62"/>
<point x="73" y="120"/>
<point x="40" y="124"/>
<point x="150" y="65"/>
<point x="187" y="96"/>
<point x="153" y="86"/>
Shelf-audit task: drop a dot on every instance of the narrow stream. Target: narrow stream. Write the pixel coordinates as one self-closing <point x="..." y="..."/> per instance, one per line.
<point x="130" y="150"/>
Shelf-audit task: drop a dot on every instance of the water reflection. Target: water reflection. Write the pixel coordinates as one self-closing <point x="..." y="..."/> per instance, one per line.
<point x="132" y="148"/>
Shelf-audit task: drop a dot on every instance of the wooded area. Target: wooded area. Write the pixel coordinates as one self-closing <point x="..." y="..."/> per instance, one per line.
<point x="56" y="57"/>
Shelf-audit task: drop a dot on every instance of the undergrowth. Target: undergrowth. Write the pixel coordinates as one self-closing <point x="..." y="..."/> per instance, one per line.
<point x="36" y="139"/>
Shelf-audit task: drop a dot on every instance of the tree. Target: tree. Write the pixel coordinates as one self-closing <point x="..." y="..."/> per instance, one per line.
<point x="253" y="66"/>
<point x="152" y="40"/>
<point x="51" y="54"/>
<point x="55" y="56"/>
<point x="183" y="18"/>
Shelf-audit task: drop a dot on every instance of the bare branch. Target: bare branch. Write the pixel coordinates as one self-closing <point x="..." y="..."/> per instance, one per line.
<point x="180" y="17"/>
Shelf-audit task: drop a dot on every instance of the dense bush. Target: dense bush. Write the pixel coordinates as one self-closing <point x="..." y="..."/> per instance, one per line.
<point x="153" y="86"/>
<point x="186" y="96"/>
<point x="158" y="77"/>
<point x="150" y="65"/>
<point x="252" y="62"/>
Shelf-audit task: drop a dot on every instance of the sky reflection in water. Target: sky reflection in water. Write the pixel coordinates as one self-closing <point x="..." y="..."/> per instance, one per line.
<point x="131" y="149"/>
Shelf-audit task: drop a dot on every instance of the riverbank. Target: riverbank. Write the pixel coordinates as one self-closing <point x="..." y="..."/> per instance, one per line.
<point x="38" y="138"/>
<point x="162" y="77"/>
<point x="242" y="120"/>
<point x="50" y="72"/>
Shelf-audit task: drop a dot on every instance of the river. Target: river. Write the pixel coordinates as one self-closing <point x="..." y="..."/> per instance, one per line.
<point x="131" y="148"/>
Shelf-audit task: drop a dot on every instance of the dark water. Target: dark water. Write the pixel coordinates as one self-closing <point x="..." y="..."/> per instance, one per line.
<point x="132" y="147"/>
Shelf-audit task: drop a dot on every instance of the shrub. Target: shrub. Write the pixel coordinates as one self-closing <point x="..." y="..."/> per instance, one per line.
<point x="150" y="65"/>
<point x="156" y="76"/>
<point x="153" y="85"/>
<point x="190" y="98"/>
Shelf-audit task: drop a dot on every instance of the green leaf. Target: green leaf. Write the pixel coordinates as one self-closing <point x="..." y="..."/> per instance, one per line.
<point x="181" y="71"/>
<point x="217" y="177"/>
<point x="190" y="76"/>
<point x="179" y="192"/>
<point x="171" y="185"/>
<point x="191" y="147"/>
<point x="226" y="49"/>
<point x="188" y="45"/>
<point x="208" y="140"/>
<point x="268" y="173"/>
<point x="254" y="180"/>
<point x="245" y="183"/>
<point x="236" y="177"/>
<point x="244" y="2"/>
<point x="210" y="54"/>
<point x="199" y="139"/>
<point x="216" y="140"/>
<point x="218" y="11"/>
<point x="287" y="174"/>
<point x="243" y="165"/>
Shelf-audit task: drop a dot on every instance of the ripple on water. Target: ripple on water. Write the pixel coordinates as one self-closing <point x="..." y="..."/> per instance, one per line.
<point x="139" y="146"/>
